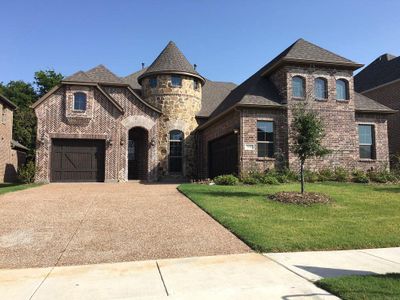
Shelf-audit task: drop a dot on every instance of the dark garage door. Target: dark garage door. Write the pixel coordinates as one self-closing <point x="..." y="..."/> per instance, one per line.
<point x="223" y="156"/>
<point x="77" y="160"/>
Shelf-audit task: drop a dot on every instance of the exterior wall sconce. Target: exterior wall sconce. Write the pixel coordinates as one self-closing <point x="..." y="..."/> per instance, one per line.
<point x="122" y="142"/>
<point x="152" y="142"/>
<point x="235" y="131"/>
<point x="109" y="142"/>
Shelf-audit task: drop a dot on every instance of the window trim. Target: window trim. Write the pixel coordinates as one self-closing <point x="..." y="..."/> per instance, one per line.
<point x="266" y="142"/>
<point x="372" y="145"/>
<point x="326" y="96"/>
<point x="73" y="102"/>
<point x="172" y="82"/>
<point x="303" y="79"/>
<point x="347" y="91"/>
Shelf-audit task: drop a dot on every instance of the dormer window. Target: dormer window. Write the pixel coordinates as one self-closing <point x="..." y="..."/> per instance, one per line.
<point x="342" y="90"/>
<point x="80" y="101"/>
<point x="298" y="87"/>
<point x="320" y="88"/>
<point x="196" y="84"/>
<point x="176" y="81"/>
<point x="153" y="82"/>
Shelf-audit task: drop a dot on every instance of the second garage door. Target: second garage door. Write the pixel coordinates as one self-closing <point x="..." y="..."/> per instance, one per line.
<point x="223" y="156"/>
<point x="77" y="160"/>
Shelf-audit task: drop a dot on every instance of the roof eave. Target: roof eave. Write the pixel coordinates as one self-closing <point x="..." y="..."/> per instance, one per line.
<point x="351" y="65"/>
<point x="8" y="102"/>
<point x="372" y="111"/>
<point x="147" y="74"/>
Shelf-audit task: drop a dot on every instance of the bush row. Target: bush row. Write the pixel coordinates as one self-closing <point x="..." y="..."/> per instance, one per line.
<point x="286" y="176"/>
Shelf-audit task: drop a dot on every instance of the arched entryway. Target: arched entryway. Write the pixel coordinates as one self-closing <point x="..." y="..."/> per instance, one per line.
<point x="137" y="153"/>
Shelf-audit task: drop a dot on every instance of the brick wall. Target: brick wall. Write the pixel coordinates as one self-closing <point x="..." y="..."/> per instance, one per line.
<point x="102" y="121"/>
<point x="10" y="159"/>
<point x="389" y="95"/>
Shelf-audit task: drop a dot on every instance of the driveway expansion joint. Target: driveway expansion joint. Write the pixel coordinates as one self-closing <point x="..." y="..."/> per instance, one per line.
<point x="380" y="257"/>
<point x="162" y="279"/>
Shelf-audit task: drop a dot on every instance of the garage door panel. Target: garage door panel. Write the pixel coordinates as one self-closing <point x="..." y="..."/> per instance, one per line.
<point x="223" y="156"/>
<point x="77" y="160"/>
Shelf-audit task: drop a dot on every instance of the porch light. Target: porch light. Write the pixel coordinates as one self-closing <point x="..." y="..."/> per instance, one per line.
<point x="109" y="142"/>
<point x="152" y="142"/>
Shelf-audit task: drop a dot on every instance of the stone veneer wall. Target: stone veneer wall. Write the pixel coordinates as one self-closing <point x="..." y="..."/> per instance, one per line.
<point x="179" y="106"/>
<point x="101" y="121"/>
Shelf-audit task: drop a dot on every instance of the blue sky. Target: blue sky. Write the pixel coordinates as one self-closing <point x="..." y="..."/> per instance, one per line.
<point x="228" y="40"/>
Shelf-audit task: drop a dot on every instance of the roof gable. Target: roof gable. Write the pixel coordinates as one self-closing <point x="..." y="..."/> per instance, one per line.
<point x="99" y="74"/>
<point x="7" y="102"/>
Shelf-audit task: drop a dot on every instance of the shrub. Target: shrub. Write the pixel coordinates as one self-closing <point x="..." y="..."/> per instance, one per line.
<point x="326" y="175"/>
<point x="360" y="176"/>
<point x="382" y="176"/>
<point x="342" y="174"/>
<point x="250" y="180"/>
<point x="310" y="176"/>
<point x="26" y="173"/>
<point x="290" y="174"/>
<point x="226" y="180"/>
<point x="269" y="179"/>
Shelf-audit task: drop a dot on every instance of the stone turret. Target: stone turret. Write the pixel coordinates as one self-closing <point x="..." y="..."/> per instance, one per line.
<point x="172" y="84"/>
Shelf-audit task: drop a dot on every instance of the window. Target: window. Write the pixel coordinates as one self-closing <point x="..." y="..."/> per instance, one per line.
<point x="175" y="151"/>
<point x="153" y="82"/>
<point x="320" y="88"/>
<point x="342" y="89"/>
<point x="265" y="138"/>
<point x="366" y="141"/>
<point x="131" y="150"/>
<point x="80" y="101"/>
<point x="195" y="84"/>
<point x="176" y="81"/>
<point x="298" y="87"/>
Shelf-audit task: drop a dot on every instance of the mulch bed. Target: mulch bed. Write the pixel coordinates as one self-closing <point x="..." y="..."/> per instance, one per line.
<point x="299" y="198"/>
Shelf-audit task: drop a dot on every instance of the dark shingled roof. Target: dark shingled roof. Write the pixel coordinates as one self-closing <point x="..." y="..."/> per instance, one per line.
<point x="99" y="74"/>
<point x="171" y="60"/>
<point x="365" y="104"/>
<point x="7" y="102"/>
<point x="384" y="69"/>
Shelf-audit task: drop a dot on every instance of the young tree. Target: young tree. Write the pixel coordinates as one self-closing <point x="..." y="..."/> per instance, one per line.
<point x="307" y="132"/>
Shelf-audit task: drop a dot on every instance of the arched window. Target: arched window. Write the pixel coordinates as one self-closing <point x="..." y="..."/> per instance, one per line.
<point x="175" y="151"/>
<point x="298" y="86"/>
<point x="79" y="101"/>
<point x="342" y="89"/>
<point x="320" y="88"/>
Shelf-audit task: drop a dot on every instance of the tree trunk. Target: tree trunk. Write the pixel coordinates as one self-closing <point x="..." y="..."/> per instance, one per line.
<point x="302" y="176"/>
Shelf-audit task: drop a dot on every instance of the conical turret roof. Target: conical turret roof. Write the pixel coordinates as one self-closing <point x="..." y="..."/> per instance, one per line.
<point x="171" y="61"/>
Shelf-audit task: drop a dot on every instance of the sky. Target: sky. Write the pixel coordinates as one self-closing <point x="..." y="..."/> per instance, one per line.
<point x="228" y="40"/>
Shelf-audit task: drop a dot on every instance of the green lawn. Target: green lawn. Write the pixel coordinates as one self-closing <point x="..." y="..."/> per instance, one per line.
<point x="363" y="287"/>
<point x="361" y="216"/>
<point x="12" y="187"/>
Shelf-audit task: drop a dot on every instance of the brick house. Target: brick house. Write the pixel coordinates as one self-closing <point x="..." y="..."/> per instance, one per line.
<point x="380" y="80"/>
<point x="12" y="153"/>
<point x="168" y="121"/>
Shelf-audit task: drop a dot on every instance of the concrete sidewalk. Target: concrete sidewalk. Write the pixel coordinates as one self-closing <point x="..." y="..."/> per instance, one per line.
<point x="239" y="276"/>
<point x="314" y="265"/>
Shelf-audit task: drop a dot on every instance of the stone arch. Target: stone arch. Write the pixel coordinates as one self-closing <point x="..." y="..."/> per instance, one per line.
<point x="176" y="124"/>
<point x="138" y="121"/>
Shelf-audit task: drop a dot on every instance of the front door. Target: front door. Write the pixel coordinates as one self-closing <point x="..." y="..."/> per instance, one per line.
<point x="137" y="154"/>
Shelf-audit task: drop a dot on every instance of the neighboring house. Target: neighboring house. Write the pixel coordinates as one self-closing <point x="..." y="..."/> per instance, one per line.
<point x="169" y="121"/>
<point x="12" y="153"/>
<point x="380" y="80"/>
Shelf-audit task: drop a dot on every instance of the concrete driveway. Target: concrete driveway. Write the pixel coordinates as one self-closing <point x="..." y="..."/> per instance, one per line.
<point x="76" y="224"/>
